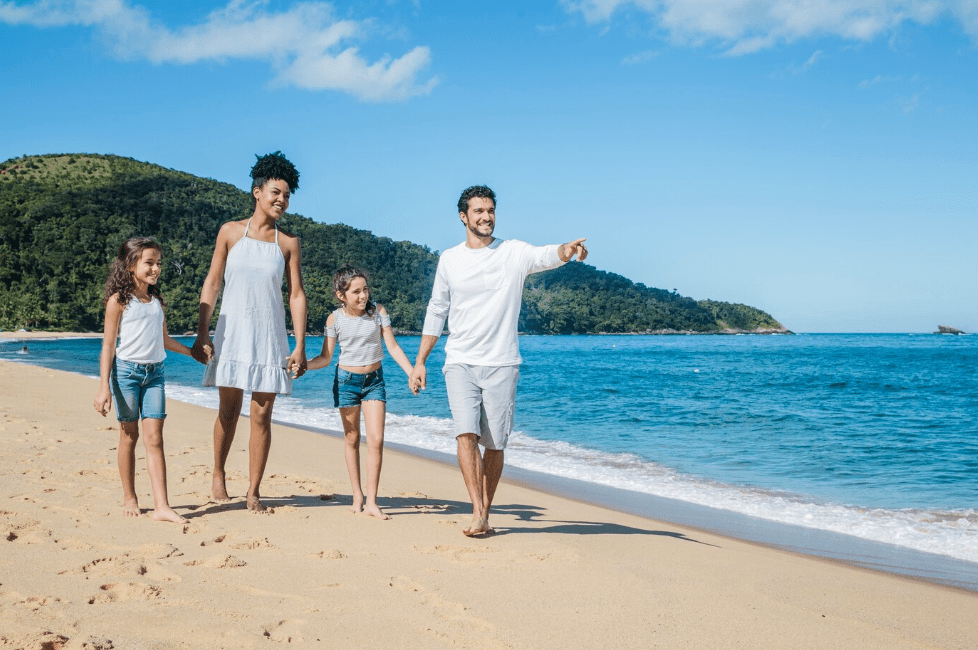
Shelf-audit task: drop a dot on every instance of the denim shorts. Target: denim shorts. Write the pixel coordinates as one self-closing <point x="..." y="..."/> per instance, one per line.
<point x="138" y="389"/>
<point x="351" y="388"/>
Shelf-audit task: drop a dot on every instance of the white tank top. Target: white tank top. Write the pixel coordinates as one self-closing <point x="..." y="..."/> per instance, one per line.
<point x="141" y="332"/>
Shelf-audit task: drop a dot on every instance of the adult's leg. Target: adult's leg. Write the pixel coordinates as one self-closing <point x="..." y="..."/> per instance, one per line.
<point x="470" y="462"/>
<point x="227" y="420"/>
<point x="492" y="469"/>
<point x="128" y="435"/>
<point x="374" y="414"/>
<point x="351" y="452"/>
<point x="258" y="446"/>
<point x="156" y="464"/>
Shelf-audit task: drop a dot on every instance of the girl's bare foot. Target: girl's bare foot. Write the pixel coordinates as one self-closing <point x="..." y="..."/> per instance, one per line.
<point x="374" y="510"/>
<point x="168" y="514"/>
<point x="218" y="490"/>
<point x="256" y="506"/>
<point x="130" y="508"/>
<point x="357" y="506"/>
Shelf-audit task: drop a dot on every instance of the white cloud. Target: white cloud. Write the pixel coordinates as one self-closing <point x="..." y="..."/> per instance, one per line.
<point x="639" y="57"/>
<point x="306" y="45"/>
<point x="745" y="26"/>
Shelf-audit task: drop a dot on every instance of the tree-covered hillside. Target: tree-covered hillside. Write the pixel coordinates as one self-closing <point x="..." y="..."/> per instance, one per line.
<point x="63" y="217"/>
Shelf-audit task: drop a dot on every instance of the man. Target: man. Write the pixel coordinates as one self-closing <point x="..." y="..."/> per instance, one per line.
<point x="479" y="288"/>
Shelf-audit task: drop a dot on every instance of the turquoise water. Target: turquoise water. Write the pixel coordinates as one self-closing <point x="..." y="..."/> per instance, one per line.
<point x="874" y="436"/>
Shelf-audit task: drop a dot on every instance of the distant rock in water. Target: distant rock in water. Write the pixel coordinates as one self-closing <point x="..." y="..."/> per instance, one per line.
<point x="947" y="329"/>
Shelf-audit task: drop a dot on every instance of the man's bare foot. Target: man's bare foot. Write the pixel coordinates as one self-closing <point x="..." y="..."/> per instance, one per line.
<point x="218" y="490"/>
<point x="357" y="506"/>
<point x="479" y="526"/>
<point x="131" y="508"/>
<point x="168" y="514"/>
<point x="255" y="505"/>
<point x="374" y="510"/>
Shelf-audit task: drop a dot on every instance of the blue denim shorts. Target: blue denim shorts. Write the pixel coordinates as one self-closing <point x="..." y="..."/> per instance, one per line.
<point x="138" y="389"/>
<point x="351" y="388"/>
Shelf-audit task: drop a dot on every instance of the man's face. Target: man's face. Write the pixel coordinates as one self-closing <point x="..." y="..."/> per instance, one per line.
<point x="481" y="216"/>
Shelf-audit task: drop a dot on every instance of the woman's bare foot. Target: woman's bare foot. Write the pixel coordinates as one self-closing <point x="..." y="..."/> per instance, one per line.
<point x="374" y="510"/>
<point x="218" y="490"/>
<point x="479" y="526"/>
<point x="131" y="508"/>
<point x="357" y="506"/>
<point x="255" y="505"/>
<point x="168" y="514"/>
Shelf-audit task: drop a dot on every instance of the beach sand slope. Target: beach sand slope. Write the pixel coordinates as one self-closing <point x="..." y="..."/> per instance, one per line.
<point x="75" y="573"/>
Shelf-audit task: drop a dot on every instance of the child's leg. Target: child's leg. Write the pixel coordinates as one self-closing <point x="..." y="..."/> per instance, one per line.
<point x="128" y="435"/>
<point x="374" y="413"/>
<point x="351" y="451"/>
<point x="156" y="464"/>
<point x="227" y="420"/>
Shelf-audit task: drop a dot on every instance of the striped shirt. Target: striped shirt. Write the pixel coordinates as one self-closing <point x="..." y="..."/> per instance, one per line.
<point x="358" y="338"/>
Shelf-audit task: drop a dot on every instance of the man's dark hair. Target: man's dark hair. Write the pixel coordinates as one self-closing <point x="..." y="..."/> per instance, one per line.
<point x="480" y="191"/>
<point x="274" y="166"/>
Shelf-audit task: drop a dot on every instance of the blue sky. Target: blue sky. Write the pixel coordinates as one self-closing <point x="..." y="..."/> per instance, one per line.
<point x="818" y="160"/>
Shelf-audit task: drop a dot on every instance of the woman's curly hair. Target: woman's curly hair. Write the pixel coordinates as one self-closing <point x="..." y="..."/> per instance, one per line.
<point x="274" y="166"/>
<point x="343" y="278"/>
<point x="120" y="281"/>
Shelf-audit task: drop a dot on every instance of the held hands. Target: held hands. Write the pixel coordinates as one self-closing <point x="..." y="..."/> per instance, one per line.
<point x="296" y="364"/>
<point x="567" y="251"/>
<point x="103" y="402"/>
<point x="418" y="379"/>
<point x="203" y="350"/>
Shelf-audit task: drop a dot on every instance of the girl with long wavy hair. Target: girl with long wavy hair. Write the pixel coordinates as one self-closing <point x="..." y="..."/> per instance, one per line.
<point x="134" y="346"/>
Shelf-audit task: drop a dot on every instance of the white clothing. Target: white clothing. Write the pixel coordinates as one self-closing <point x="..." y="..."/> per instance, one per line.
<point x="359" y="338"/>
<point x="250" y="341"/>
<point x="479" y="291"/>
<point x="141" y="332"/>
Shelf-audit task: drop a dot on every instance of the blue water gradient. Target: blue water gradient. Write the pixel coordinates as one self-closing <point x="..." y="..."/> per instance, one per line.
<point x="869" y="435"/>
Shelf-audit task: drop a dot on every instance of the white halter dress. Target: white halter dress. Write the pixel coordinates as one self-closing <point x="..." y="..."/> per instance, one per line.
<point x="250" y="341"/>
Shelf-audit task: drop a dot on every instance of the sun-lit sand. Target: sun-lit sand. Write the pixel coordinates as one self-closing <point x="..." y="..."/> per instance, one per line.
<point x="76" y="573"/>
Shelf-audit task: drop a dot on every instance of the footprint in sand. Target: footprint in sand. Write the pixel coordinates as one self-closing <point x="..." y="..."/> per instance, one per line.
<point x="458" y="553"/>
<point x="331" y="554"/>
<point x="286" y="631"/>
<point x="218" y="562"/>
<point x="256" y="543"/>
<point x="216" y="540"/>
<point x="124" y="591"/>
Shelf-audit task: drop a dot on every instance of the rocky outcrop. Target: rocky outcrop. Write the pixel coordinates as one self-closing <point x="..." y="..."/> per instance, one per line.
<point x="947" y="329"/>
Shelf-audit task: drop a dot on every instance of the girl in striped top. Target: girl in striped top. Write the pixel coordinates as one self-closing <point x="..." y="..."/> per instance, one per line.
<point x="359" y="326"/>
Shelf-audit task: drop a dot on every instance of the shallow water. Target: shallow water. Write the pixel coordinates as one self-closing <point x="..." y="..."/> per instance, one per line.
<point x="872" y="436"/>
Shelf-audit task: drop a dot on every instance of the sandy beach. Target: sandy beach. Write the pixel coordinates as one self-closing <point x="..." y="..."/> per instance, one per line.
<point x="75" y="573"/>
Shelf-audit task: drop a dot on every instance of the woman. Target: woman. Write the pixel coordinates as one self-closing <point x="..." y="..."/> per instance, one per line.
<point x="251" y="348"/>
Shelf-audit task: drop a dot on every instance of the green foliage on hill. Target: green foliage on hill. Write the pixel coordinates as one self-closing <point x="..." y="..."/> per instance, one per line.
<point x="63" y="217"/>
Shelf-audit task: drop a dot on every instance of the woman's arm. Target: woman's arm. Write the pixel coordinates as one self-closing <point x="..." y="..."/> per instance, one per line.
<point x="297" y="304"/>
<point x="113" y="316"/>
<point x="203" y="348"/>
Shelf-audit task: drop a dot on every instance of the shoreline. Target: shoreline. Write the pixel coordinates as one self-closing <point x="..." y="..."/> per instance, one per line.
<point x="817" y="542"/>
<point x="559" y="573"/>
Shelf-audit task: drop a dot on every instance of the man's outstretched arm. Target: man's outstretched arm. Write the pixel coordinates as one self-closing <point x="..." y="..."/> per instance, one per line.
<point x="566" y="252"/>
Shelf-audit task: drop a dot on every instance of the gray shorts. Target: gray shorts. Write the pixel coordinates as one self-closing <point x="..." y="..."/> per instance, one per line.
<point x="483" y="400"/>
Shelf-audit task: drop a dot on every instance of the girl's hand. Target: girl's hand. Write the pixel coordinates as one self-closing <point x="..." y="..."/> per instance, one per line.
<point x="203" y="350"/>
<point x="103" y="402"/>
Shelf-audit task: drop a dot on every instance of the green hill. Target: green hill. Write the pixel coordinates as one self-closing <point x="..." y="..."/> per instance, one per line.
<point x="63" y="217"/>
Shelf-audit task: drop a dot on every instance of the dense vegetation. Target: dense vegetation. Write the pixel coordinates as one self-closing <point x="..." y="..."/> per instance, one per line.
<point x="63" y="217"/>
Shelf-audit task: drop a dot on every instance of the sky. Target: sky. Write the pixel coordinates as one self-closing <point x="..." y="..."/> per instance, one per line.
<point x="817" y="160"/>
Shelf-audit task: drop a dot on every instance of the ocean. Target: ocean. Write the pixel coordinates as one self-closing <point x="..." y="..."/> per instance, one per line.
<point x="845" y="439"/>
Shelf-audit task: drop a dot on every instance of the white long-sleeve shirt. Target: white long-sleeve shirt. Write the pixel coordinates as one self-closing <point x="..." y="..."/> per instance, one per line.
<point x="479" y="291"/>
